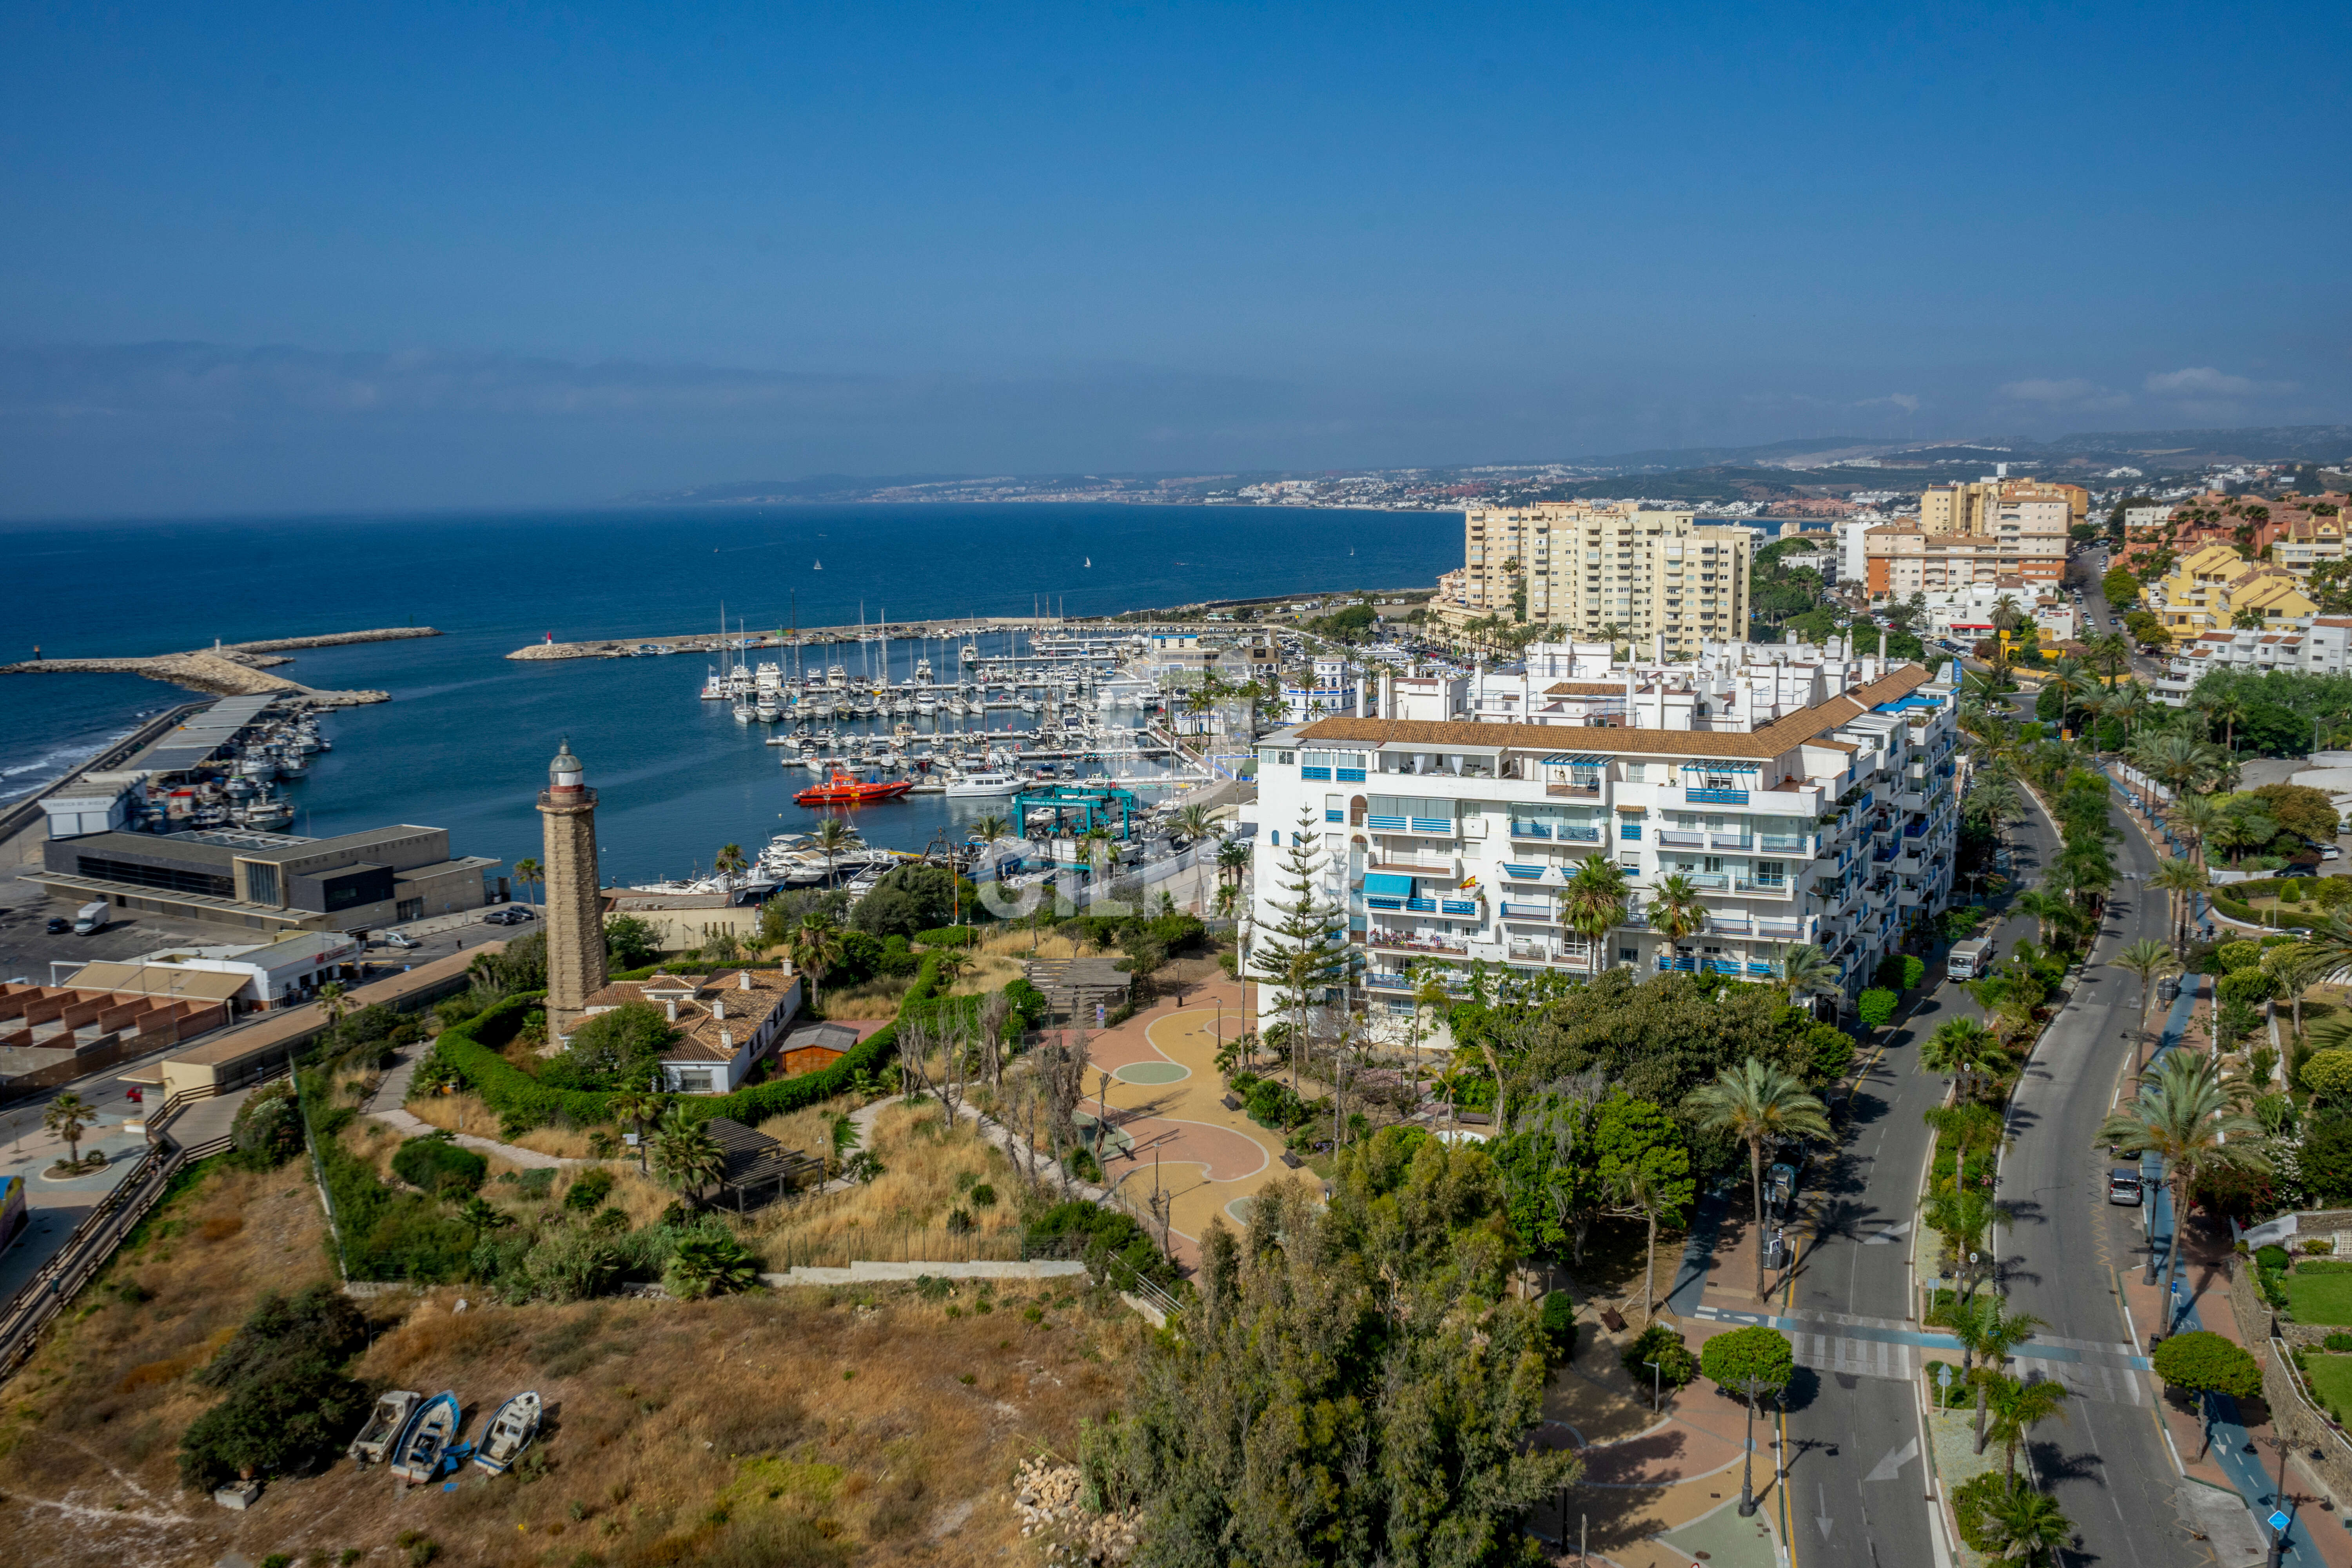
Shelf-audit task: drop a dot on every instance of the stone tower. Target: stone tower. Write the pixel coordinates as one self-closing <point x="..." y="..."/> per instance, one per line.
<point x="576" y="915"/>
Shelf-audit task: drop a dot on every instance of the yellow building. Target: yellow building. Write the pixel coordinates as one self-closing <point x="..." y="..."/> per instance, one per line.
<point x="1998" y="506"/>
<point x="2213" y="585"/>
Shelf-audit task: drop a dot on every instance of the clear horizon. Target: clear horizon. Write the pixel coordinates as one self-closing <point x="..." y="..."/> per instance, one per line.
<point x="280" y="261"/>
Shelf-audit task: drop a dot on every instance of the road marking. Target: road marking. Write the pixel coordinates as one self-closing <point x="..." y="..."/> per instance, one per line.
<point x="1822" y="1502"/>
<point x="1891" y="1467"/>
<point x="1892" y="1233"/>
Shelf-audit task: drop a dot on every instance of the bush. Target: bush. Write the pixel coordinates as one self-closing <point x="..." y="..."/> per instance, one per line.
<point x="432" y="1163"/>
<point x="1676" y="1365"/>
<point x="1915" y="970"/>
<point x="382" y="1232"/>
<point x="947" y="936"/>
<point x="268" y="1128"/>
<point x="614" y="1050"/>
<point x="2237" y="955"/>
<point x="2202" y="1361"/>
<point x="1104" y="1237"/>
<point x="289" y="1408"/>
<point x="2271" y="1257"/>
<point x="2329" y="1074"/>
<point x="2339" y="1342"/>
<point x="1875" y="1006"/>
<point x="1559" y="1322"/>
<point x="911" y="899"/>
<point x="1974" y="1504"/>
<point x="588" y="1191"/>
<point x="2244" y="987"/>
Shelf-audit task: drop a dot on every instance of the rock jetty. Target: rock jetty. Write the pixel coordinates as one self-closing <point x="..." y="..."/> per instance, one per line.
<point x="233" y="670"/>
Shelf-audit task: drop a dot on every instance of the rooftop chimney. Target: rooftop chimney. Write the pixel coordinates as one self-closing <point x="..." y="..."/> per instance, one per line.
<point x="742" y="980"/>
<point x="726" y="1040"/>
<point x="719" y="1006"/>
<point x="673" y="1009"/>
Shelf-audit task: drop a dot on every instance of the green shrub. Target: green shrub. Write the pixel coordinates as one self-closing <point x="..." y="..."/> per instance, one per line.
<point x="1756" y="1354"/>
<point x="2244" y="987"/>
<point x="382" y="1232"/>
<point x="1103" y="1235"/>
<point x="588" y="1191"/>
<point x="1974" y="1502"/>
<point x="1915" y="970"/>
<point x="1559" y="1322"/>
<point x="2203" y="1362"/>
<point x="1676" y="1365"/>
<point x="2329" y="1074"/>
<point x="1875" y="1006"/>
<point x="434" y="1164"/>
<point x="268" y="1128"/>
<point x="2339" y="1342"/>
<point x="947" y="936"/>
<point x="2272" y="1257"/>
<point x="289" y="1408"/>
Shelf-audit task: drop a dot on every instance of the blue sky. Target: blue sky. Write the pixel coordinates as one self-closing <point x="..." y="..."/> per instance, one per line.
<point x="321" y="256"/>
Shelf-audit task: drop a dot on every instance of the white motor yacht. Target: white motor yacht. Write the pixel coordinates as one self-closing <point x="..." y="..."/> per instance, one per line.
<point x="985" y="784"/>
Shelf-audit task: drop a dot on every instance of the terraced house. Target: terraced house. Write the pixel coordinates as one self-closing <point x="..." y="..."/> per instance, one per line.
<point x="1830" y="821"/>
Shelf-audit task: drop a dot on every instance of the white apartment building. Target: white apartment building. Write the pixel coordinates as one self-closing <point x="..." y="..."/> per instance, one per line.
<point x="1450" y="842"/>
<point x="2323" y="646"/>
<point x="1586" y="566"/>
<point x="1967" y="614"/>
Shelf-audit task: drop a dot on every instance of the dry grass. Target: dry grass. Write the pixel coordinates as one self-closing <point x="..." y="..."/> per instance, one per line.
<point x="467" y="1113"/>
<point x="877" y="998"/>
<point x="1013" y="943"/>
<point x="927" y="1169"/>
<point x="989" y="972"/>
<point x="805" y="1427"/>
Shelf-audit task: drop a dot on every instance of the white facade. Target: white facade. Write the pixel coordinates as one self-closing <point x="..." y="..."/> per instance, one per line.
<point x="1450" y="843"/>
<point x="1967" y="614"/>
<point x="2322" y="647"/>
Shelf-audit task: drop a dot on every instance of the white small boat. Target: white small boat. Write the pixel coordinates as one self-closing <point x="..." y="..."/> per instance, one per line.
<point x="417" y="1457"/>
<point x="384" y="1426"/>
<point x="511" y="1430"/>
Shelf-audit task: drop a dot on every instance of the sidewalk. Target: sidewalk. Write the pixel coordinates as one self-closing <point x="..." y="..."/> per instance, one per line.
<point x="392" y="1093"/>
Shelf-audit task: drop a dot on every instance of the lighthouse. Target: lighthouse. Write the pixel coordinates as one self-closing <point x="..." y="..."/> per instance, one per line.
<point x="575" y="914"/>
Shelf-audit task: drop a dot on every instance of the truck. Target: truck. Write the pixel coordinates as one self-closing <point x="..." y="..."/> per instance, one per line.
<point x="1971" y="960"/>
<point x="90" y="917"/>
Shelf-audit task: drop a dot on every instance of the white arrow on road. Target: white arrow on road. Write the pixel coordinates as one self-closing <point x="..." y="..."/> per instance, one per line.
<point x="1887" y="1469"/>
<point x="1822" y="1502"/>
<point x="1892" y="1233"/>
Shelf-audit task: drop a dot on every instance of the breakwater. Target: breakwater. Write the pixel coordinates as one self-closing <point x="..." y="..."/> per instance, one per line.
<point x="233" y="670"/>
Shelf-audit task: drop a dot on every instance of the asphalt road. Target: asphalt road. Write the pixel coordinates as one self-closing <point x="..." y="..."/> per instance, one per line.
<point x="1857" y="1483"/>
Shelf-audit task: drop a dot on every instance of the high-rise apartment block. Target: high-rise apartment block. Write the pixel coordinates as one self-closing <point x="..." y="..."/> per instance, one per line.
<point x="1997" y="532"/>
<point x="1589" y="564"/>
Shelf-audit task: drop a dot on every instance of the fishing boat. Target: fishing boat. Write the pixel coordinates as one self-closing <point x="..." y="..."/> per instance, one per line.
<point x="418" y="1456"/>
<point x="843" y="788"/>
<point x="384" y="1425"/>
<point x="511" y="1430"/>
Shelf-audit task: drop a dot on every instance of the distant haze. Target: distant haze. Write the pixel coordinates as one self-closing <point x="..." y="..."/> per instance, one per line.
<point x="283" y="258"/>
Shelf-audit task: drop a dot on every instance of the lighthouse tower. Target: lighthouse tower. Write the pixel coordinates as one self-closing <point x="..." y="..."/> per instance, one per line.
<point x="575" y="916"/>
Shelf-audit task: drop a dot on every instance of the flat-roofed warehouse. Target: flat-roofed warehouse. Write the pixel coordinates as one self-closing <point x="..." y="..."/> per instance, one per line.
<point x="270" y="881"/>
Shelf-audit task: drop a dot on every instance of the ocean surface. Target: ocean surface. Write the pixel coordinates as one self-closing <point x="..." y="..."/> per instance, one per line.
<point x="465" y="742"/>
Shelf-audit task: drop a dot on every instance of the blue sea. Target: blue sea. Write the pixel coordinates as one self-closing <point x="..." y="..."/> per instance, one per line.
<point x="465" y="741"/>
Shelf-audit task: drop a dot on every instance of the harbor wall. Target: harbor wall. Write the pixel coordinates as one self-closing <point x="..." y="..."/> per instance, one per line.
<point x="25" y="826"/>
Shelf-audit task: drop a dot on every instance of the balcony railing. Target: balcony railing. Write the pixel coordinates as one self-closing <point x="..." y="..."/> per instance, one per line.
<point x="1441" y="825"/>
<point x="1512" y="911"/>
<point x="1786" y="843"/>
<point x="1715" y="796"/>
<point x="1728" y="841"/>
<point x="1400" y="941"/>
<point x="1681" y="838"/>
<point x="1577" y="791"/>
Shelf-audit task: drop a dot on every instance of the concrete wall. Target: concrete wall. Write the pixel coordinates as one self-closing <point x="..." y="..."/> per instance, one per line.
<point x="2319" y="1447"/>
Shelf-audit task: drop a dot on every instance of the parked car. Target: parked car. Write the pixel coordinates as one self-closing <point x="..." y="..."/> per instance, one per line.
<point x="512" y="915"/>
<point x="2330" y="852"/>
<point x="59" y="925"/>
<point x="400" y="939"/>
<point x="2123" y="1187"/>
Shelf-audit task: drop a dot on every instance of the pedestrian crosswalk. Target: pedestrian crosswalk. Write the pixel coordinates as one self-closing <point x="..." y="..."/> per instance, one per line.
<point x="1848" y="1344"/>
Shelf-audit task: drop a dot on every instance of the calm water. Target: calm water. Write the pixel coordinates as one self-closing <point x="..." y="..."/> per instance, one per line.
<point x="465" y="742"/>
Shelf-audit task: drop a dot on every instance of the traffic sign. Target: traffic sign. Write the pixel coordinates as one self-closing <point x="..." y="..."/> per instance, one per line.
<point x="2278" y="1519"/>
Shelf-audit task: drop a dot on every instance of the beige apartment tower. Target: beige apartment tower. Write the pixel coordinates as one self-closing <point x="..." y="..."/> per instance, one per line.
<point x="575" y="914"/>
<point x="1639" y="574"/>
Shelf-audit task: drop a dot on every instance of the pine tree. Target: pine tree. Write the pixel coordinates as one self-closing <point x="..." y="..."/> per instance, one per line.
<point x="1298" y="954"/>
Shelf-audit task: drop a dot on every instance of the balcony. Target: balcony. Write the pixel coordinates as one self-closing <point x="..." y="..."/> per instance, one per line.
<point x="1787" y="926"/>
<point x="1400" y="941"/>
<point x="1444" y="869"/>
<point x="1728" y="841"/>
<point x="1782" y="843"/>
<point x="1911" y="800"/>
<point x="1524" y="912"/>
<point x="1777" y="888"/>
<point x="1681" y="838"/>
<point x="1443" y="827"/>
<point x="1715" y="798"/>
<point x="1575" y="791"/>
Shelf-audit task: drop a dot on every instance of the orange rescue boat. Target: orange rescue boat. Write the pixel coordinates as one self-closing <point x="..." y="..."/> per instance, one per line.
<point x="849" y="789"/>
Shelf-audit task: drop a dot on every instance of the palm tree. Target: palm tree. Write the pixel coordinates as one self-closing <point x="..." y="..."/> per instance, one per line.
<point x="728" y="860"/>
<point x="1964" y="1048"/>
<point x="1232" y="859"/>
<point x="2072" y="683"/>
<point x="2019" y="1406"/>
<point x="1756" y="1103"/>
<point x="2182" y="763"/>
<point x="1632" y="1186"/>
<point x="1674" y="909"/>
<point x="1595" y="904"/>
<point x="636" y="1107"/>
<point x="2194" y="818"/>
<point x="2181" y="880"/>
<point x="1193" y="821"/>
<point x="2026" y="1526"/>
<point x="1807" y="970"/>
<point x="816" y="947"/>
<point x="2047" y="910"/>
<point x="686" y="1156"/>
<point x="2183" y="1114"/>
<point x="530" y="874"/>
<point x="333" y="1002"/>
<point x="990" y="826"/>
<point x="1988" y="1332"/>
<point x="70" y="1116"/>
<point x="2147" y="958"/>
<point x="831" y="837"/>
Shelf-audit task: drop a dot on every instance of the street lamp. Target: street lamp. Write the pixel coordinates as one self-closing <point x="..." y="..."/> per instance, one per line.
<point x="1750" y="1387"/>
<point x="1656" y="1396"/>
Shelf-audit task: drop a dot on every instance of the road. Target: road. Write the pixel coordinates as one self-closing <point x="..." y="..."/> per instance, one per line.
<point x="1856" y="1481"/>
